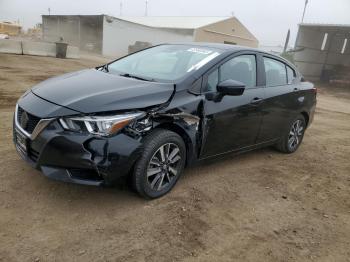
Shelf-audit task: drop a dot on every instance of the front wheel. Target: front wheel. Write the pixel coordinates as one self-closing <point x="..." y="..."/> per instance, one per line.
<point x="161" y="164"/>
<point x="292" y="138"/>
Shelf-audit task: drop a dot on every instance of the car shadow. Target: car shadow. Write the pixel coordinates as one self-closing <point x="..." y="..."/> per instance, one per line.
<point x="121" y="194"/>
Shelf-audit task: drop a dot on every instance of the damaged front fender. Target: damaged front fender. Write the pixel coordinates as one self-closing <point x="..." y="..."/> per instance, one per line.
<point x="185" y="120"/>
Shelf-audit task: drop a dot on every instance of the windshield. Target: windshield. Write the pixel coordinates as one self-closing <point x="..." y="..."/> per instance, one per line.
<point x="164" y="62"/>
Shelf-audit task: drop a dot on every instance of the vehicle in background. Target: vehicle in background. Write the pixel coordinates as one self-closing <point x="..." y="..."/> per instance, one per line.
<point x="4" y="36"/>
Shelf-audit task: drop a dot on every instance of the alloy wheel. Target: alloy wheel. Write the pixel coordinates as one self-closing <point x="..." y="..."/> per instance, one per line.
<point x="163" y="166"/>
<point x="295" y="134"/>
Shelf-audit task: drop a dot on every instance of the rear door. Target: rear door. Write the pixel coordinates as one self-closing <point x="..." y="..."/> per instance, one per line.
<point x="234" y="121"/>
<point x="280" y="102"/>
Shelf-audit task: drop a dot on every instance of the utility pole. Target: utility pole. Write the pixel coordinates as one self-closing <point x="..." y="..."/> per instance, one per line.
<point x="286" y="42"/>
<point x="146" y="9"/>
<point x="306" y="2"/>
<point x="121" y="8"/>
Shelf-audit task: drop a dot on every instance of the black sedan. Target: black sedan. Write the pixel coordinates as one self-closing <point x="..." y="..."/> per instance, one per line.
<point x="151" y="113"/>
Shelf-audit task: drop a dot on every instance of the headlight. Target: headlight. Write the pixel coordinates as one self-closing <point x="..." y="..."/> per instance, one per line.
<point x="98" y="125"/>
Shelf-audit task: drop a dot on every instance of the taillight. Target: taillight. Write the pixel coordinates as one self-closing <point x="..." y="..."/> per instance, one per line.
<point x="315" y="90"/>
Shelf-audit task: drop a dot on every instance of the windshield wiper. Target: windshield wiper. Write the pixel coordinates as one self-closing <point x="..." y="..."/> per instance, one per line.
<point x="103" y="67"/>
<point x="137" y="77"/>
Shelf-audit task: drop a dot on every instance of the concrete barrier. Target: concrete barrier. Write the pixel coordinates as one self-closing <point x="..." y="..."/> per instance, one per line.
<point x="34" y="48"/>
<point x="39" y="48"/>
<point x="10" y="46"/>
<point x="72" y="52"/>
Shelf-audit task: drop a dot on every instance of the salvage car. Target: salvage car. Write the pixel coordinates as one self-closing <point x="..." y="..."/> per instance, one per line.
<point x="150" y="114"/>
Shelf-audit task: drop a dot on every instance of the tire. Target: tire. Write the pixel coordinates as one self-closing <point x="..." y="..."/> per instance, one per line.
<point x="293" y="137"/>
<point x="161" y="164"/>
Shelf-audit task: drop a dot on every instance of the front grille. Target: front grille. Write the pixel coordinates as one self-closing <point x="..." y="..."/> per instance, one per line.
<point x="33" y="154"/>
<point x="27" y="121"/>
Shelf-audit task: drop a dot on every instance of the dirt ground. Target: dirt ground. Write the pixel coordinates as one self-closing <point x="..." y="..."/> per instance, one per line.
<point x="258" y="206"/>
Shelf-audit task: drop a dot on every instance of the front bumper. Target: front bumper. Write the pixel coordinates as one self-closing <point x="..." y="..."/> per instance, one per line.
<point x="79" y="158"/>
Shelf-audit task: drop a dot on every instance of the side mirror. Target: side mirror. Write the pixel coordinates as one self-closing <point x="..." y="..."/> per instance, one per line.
<point x="231" y="87"/>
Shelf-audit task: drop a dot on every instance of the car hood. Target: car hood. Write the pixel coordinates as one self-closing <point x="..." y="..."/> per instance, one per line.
<point x="92" y="91"/>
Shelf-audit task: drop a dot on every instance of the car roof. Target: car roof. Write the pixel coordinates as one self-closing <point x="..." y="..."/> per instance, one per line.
<point x="226" y="47"/>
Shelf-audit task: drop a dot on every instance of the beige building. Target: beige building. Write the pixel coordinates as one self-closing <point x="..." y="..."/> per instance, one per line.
<point x="112" y="36"/>
<point x="228" y="31"/>
<point x="202" y="29"/>
<point x="9" y="28"/>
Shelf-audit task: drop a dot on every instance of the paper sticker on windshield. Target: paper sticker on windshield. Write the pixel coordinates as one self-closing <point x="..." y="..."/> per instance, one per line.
<point x="203" y="62"/>
<point x="200" y="51"/>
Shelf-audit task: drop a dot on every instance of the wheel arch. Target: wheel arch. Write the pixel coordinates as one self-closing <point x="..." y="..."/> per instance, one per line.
<point x="306" y="117"/>
<point x="184" y="135"/>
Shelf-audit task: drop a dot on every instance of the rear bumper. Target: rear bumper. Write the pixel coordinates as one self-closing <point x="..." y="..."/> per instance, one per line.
<point x="312" y="114"/>
<point x="80" y="158"/>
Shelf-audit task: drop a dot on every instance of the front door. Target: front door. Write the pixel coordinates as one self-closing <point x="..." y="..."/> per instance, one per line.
<point x="234" y="121"/>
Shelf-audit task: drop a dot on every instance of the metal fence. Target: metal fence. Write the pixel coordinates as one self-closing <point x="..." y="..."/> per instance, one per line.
<point x="321" y="49"/>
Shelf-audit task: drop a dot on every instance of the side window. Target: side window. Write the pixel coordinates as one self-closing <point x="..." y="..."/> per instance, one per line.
<point x="290" y="74"/>
<point x="276" y="74"/>
<point x="213" y="80"/>
<point x="241" y="68"/>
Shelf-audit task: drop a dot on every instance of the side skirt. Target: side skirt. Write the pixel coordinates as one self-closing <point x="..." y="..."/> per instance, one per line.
<point x="243" y="149"/>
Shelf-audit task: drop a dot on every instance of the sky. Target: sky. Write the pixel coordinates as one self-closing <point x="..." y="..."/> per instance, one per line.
<point x="268" y="20"/>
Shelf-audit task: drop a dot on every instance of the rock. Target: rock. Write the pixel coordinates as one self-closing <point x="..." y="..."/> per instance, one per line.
<point x="284" y="197"/>
<point x="81" y="252"/>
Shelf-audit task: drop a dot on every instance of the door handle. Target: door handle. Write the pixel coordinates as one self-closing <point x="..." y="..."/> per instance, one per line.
<point x="256" y="101"/>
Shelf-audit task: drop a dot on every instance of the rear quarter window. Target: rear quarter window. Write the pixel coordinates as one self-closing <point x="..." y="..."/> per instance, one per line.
<point x="275" y="71"/>
<point x="290" y="75"/>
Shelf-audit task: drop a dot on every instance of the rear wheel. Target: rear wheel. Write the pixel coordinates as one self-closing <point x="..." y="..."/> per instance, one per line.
<point x="292" y="138"/>
<point x="160" y="165"/>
